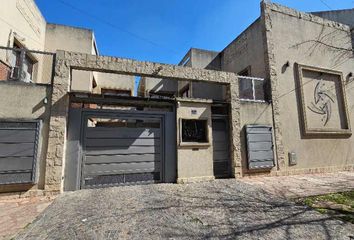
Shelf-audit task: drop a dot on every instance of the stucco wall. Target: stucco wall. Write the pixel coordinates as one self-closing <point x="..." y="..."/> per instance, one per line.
<point x="304" y="29"/>
<point x="115" y="81"/>
<point x="246" y="50"/>
<point x="203" y="59"/>
<point x="60" y="37"/>
<point x="194" y="162"/>
<point x="196" y="58"/>
<point x="253" y="113"/>
<point x="23" y="19"/>
<point x="200" y="58"/>
<point x="345" y="16"/>
<point x="157" y="85"/>
<point x="68" y="38"/>
<point x="26" y="101"/>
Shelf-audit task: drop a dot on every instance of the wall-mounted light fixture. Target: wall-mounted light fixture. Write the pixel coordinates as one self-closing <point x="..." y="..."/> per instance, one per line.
<point x="350" y="77"/>
<point x="285" y="66"/>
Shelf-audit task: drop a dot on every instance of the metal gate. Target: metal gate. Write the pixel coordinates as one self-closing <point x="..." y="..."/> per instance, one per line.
<point x="121" y="149"/>
<point x="18" y="151"/>
<point x="221" y="150"/>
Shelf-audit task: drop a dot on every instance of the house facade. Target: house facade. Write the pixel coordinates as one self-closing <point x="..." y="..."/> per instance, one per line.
<point x="278" y="100"/>
<point x="311" y="44"/>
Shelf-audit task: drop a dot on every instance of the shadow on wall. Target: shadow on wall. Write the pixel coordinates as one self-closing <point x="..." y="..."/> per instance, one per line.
<point x="43" y="147"/>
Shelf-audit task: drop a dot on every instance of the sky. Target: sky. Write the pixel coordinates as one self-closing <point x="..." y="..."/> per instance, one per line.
<point x="164" y="30"/>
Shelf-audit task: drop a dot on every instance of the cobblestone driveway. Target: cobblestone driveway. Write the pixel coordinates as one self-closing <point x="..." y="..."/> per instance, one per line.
<point x="223" y="209"/>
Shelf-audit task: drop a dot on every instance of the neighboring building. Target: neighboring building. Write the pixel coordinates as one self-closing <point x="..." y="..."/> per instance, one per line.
<point x="278" y="100"/>
<point x="196" y="58"/>
<point x="199" y="58"/>
<point x="344" y="16"/>
<point x="157" y="87"/>
<point x="23" y="27"/>
<point x="83" y="40"/>
<point x="75" y="40"/>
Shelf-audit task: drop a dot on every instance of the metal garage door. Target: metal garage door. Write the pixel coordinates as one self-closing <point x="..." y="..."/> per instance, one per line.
<point x="121" y="150"/>
<point x="221" y="155"/>
<point x="18" y="151"/>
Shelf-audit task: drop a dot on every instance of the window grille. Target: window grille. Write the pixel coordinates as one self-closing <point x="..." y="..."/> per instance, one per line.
<point x="251" y="89"/>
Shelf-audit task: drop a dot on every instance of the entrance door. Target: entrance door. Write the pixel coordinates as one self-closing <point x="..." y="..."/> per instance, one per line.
<point x="121" y="149"/>
<point x="221" y="149"/>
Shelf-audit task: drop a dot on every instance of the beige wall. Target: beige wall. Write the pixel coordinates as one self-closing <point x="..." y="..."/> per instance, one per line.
<point x="26" y="101"/>
<point x="148" y="84"/>
<point x="22" y="19"/>
<point x="194" y="161"/>
<point x="115" y="81"/>
<point x="246" y="50"/>
<point x="60" y="37"/>
<point x="253" y="113"/>
<point x="292" y="37"/>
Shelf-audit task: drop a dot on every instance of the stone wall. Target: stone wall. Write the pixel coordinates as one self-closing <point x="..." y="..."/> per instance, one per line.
<point x="246" y="52"/>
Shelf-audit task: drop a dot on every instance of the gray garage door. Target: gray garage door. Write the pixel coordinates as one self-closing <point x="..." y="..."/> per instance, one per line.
<point x="18" y="151"/>
<point x="221" y="149"/>
<point x="121" y="150"/>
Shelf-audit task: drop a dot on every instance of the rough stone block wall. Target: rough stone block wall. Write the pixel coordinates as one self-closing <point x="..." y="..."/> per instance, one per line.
<point x="272" y="76"/>
<point x="57" y="129"/>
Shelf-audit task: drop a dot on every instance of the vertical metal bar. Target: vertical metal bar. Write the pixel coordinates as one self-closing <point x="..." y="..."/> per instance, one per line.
<point x="22" y="60"/>
<point x="36" y="156"/>
<point x="253" y="90"/>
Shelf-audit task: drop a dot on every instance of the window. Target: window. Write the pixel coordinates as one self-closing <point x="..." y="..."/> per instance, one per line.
<point x="22" y="65"/>
<point x="162" y="94"/>
<point x="246" y="88"/>
<point x="185" y="91"/>
<point x="115" y="92"/>
<point x="194" y="131"/>
<point x="245" y="72"/>
<point x="251" y="89"/>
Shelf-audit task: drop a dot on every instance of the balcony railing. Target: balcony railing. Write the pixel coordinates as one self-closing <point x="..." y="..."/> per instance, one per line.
<point x="20" y="64"/>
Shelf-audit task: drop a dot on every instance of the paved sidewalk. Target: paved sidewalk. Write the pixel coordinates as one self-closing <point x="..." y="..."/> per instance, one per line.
<point x="304" y="185"/>
<point x="17" y="213"/>
<point x="222" y="209"/>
